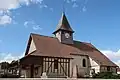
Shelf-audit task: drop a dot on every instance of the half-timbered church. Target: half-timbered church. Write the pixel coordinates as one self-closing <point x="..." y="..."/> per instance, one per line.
<point x="62" y="56"/>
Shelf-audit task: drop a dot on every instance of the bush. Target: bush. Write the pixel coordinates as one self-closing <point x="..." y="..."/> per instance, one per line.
<point x="9" y="76"/>
<point x="106" y="75"/>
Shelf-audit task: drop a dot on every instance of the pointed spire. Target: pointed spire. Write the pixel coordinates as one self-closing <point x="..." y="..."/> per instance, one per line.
<point x="63" y="24"/>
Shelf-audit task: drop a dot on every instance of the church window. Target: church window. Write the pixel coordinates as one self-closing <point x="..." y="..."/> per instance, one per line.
<point x="84" y="63"/>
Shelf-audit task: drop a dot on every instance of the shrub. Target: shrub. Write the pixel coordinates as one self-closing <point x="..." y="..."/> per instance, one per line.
<point x="106" y="75"/>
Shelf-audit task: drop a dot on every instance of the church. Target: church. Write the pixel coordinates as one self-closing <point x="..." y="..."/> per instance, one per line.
<point x="62" y="56"/>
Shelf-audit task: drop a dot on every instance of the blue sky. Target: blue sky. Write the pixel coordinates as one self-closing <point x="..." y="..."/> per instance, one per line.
<point x="94" y="21"/>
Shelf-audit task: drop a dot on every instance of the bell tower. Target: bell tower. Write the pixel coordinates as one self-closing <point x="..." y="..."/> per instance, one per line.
<point x="64" y="32"/>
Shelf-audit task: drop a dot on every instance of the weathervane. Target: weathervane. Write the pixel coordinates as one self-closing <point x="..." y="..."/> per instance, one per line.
<point x="63" y="6"/>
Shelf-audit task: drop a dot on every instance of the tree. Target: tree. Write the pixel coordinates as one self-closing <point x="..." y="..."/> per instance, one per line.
<point x="5" y="66"/>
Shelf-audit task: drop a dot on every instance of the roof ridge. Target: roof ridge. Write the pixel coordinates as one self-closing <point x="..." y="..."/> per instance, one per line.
<point x="42" y="35"/>
<point x="82" y="41"/>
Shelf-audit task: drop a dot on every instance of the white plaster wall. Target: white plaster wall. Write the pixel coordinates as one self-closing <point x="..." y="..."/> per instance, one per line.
<point x="32" y="47"/>
<point x="99" y="68"/>
<point x="114" y="70"/>
<point x="78" y="61"/>
<point x="104" y="69"/>
<point x="58" y="35"/>
<point x="94" y="65"/>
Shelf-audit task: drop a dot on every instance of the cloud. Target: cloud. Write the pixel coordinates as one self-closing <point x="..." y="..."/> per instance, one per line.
<point x="7" y="5"/>
<point x="84" y="9"/>
<point x="13" y="4"/>
<point x="32" y="24"/>
<point x="14" y="22"/>
<point x="51" y="9"/>
<point x="78" y="4"/>
<point x="1" y="12"/>
<point x="112" y="55"/>
<point x="26" y="24"/>
<point x="43" y="6"/>
<point x="73" y="0"/>
<point x="0" y="41"/>
<point x="5" y="19"/>
<point x="86" y="1"/>
<point x="74" y="5"/>
<point x="8" y="57"/>
<point x="37" y="27"/>
<point x="118" y="63"/>
<point x="68" y="1"/>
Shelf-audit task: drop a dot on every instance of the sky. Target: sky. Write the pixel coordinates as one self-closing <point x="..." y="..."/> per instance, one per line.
<point x="94" y="21"/>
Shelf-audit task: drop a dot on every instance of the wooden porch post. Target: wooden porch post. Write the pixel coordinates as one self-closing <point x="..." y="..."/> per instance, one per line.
<point x="69" y="68"/>
<point x="32" y="71"/>
<point x="42" y="65"/>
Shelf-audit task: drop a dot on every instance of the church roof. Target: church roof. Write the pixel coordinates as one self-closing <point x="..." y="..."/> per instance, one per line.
<point x="63" y="24"/>
<point x="50" y="46"/>
<point x="93" y="53"/>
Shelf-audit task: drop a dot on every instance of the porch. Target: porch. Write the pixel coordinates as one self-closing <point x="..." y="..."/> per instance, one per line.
<point x="54" y="67"/>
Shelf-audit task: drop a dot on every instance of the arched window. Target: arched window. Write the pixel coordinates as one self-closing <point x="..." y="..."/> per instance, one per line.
<point x="84" y="63"/>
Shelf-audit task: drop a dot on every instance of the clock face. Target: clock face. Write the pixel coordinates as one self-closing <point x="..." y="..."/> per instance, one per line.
<point x="67" y="35"/>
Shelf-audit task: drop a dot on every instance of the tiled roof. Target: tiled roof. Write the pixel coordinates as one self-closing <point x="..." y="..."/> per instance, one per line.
<point x="50" y="46"/>
<point x="94" y="53"/>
